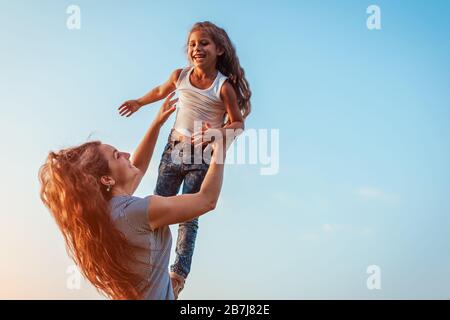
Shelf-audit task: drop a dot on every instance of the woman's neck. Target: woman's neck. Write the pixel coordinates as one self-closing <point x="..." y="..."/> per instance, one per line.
<point x="120" y="191"/>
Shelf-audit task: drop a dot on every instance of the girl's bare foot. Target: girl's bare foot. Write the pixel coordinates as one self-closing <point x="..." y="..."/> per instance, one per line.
<point x="177" y="283"/>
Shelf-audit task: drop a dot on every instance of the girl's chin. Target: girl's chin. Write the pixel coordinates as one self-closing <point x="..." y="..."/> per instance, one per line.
<point x="199" y="63"/>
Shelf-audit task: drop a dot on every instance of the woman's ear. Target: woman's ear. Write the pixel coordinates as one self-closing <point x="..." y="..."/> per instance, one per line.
<point x="107" y="181"/>
<point x="220" y="51"/>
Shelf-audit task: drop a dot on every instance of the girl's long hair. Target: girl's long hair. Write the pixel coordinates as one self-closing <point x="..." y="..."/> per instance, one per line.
<point x="228" y="63"/>
<point x="79" y="202"/>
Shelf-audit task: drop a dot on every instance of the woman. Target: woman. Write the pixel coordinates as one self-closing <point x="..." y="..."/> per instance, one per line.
<point x="120" y="242"/>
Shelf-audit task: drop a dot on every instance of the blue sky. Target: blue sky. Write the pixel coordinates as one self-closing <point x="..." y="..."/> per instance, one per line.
<point x="364" y="151"/>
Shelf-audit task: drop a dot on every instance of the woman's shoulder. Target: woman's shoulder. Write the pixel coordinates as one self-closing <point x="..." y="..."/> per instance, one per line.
<point x="126" y="206"/>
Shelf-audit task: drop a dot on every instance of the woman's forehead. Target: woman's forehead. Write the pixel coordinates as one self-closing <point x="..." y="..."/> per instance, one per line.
<point x="107" y="146"/>
<point x="107" y="149"/>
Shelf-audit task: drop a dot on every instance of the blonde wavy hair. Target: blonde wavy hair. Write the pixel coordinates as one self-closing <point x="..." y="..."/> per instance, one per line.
<point x="79" y="202"/>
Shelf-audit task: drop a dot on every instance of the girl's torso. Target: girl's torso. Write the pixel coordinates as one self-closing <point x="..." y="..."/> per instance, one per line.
<point x="197" y="105"/>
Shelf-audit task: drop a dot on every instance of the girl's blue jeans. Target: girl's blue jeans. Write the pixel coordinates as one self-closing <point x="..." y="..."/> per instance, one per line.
<point x="170" y="176"/>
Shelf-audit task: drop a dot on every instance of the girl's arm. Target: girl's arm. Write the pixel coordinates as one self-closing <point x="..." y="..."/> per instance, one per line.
<point x="164" y="211"/>
<point x="143" y="153"/>
<point x="229" y="99"/>
<point x="160" y="92"/>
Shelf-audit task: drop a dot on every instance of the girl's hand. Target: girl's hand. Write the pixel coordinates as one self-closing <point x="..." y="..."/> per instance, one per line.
<point x="167" y="108"/>
<point x="129" y="107"/>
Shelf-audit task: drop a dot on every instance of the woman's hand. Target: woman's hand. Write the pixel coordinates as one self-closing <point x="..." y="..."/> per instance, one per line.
<point x="167" y="108"/>
<point x="207" y="135"/>
<point x="129" y="107"/>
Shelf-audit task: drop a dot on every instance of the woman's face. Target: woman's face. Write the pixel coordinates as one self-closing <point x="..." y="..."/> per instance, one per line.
<point x="122" y="170"/>
<point x="202" y="50"/>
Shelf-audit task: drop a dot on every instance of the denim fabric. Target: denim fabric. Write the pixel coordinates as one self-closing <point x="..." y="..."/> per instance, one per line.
<point x="170" y="176"/>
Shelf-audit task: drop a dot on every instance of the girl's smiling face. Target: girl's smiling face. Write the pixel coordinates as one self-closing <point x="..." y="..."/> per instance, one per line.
<point x="202" y="51"/>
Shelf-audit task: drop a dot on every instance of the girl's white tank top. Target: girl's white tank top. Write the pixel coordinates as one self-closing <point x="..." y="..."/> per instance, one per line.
<point x="196" y="104"/>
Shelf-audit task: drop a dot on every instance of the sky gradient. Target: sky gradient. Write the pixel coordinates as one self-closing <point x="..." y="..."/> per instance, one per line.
<point x="363" y="118"/>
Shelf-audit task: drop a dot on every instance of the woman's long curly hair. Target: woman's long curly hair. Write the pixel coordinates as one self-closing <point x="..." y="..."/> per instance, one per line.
<point x="228" y="63"/>
<point x="79" y="202"/>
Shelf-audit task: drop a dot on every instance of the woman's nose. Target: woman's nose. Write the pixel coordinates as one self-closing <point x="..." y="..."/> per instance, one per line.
<point x="126" y="155"/>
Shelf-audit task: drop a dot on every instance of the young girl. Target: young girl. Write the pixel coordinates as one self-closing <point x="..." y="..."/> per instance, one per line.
<point x="213" y="90"/>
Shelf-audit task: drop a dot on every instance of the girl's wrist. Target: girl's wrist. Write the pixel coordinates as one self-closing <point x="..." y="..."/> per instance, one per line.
<point x="140" y="102"/>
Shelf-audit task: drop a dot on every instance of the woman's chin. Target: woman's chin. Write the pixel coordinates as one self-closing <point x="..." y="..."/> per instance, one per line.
<point x="135" y="170"/>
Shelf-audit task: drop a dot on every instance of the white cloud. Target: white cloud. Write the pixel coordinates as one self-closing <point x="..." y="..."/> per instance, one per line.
<point x="376" y="193"/>
<point x="329" y="229"/>
<point x="286" y="200"/>
<point x="370" y="192"/>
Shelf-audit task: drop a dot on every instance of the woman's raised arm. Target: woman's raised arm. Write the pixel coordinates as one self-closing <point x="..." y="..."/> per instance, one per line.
<point x="164" y="211"/>
<point x="143" y="153"/>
